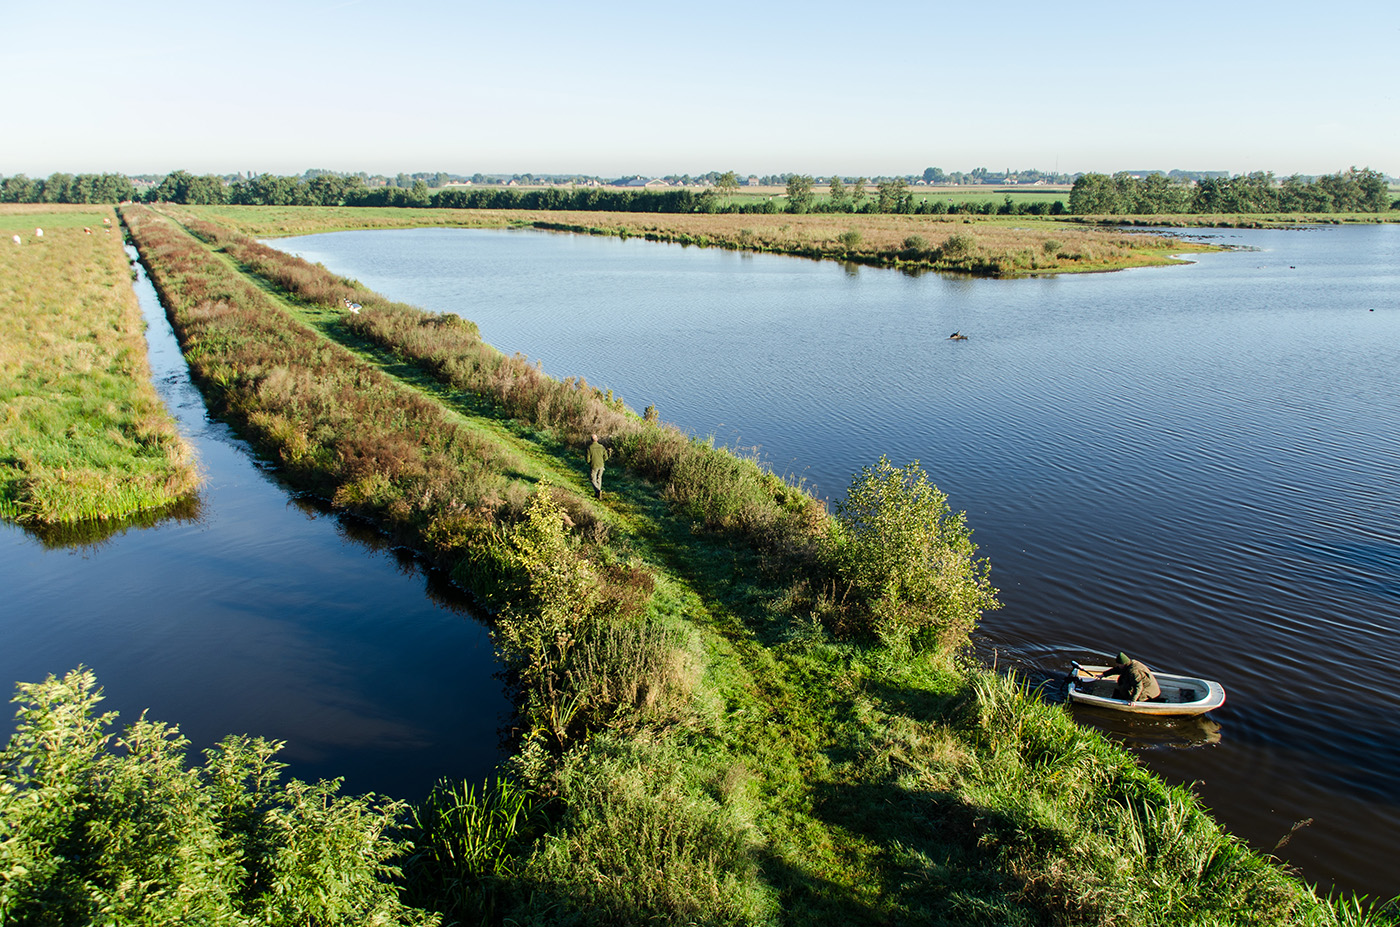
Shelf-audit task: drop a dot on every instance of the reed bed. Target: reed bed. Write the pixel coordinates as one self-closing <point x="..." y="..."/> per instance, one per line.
<point x="83" y="435"/>
<point x="1092" y="834"/>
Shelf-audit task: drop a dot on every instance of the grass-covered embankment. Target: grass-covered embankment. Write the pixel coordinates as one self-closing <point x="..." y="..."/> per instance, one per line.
<point x="736" y="708"/>
<point x="999" y="246"/>
<point x="83" y="435"/>
<point x="1242" y="220"/>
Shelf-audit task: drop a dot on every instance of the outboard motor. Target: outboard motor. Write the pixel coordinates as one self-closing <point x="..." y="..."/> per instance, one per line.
<point x="1071" y="678"/>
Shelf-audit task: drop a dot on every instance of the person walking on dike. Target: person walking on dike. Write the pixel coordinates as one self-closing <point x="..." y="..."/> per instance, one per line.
<point x="597" y="457"/>
<point x="1135" y="681"/>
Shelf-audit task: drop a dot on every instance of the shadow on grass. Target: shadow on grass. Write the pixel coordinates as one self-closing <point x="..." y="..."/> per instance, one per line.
<point x="939" y="858"/>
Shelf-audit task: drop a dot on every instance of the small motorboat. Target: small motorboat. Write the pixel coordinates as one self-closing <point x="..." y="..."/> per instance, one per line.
<point x="1181" y="695"/>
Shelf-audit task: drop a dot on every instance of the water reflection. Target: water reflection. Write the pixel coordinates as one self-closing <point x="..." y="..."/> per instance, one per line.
<point x="93" y="533"/>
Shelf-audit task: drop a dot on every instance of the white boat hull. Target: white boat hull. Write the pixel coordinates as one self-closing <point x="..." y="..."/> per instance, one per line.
<point x="1181" y="695"/>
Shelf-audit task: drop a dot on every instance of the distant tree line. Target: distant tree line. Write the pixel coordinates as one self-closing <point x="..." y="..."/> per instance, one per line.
<point x="327" y="189"/>
<point x="1354" y="190"/>
<point x="68" y="188"/>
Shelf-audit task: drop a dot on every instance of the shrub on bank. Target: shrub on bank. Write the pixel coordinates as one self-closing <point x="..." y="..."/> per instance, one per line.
<point x="97" y="828"/>
<point x="906" y="561"/>
<point x="581" y="650"/>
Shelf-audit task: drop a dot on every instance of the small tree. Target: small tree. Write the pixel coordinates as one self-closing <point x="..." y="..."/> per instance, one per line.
<point x="840" y="199"/>
<point x="727" y="184"/>
<point x="799" y="193"/>
<point x="858" y="192"/>
<point x="894" y="196"/>
<point x="908" y="559"/>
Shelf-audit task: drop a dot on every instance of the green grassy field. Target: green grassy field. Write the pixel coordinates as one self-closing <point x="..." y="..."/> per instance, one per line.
<point x="83" y="436"/>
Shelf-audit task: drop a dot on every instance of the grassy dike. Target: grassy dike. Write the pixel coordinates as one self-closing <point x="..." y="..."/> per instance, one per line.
<point x="83" y="435"/>
<point x="712" y="734"/>
<point x="993" y="246"/>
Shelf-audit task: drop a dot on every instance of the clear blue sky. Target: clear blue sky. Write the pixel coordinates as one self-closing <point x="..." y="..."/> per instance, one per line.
<point x="760" y="87"/>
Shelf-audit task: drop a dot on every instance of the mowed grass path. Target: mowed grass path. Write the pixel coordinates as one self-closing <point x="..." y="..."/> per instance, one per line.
<point x="83" y="435"/>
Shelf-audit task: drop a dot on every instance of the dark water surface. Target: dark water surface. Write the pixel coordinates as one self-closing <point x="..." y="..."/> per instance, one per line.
<point x="261" y="614"/>
<point x="1199" y="465"/>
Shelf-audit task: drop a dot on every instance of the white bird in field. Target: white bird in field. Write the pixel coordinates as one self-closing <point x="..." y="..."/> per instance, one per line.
<point x="38" y="233"/>
<point x="17" y="239"/>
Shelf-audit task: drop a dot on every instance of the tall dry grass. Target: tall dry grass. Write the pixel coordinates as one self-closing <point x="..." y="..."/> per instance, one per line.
<point x="338" y="427"/>
<point x="710" y="484"/>
<point x="1005" y="246"/>
<point x="962" y="244"/>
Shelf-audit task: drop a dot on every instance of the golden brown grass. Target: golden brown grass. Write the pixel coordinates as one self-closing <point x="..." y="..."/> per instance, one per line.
<point x="1000" y="245"/>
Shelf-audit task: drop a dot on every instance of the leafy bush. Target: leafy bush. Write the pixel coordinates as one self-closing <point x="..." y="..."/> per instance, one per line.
<point x="908" y="559"/>
<point x="959" y="245"/>
<point x="104" y="829"/>
<point x="849" y="239"/>
<point x="915" y="245"/>
<point x="575" y="636"/>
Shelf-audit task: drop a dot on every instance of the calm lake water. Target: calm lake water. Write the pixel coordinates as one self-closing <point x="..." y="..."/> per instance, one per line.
<point x="260" y="613"/>
<point x="1199" y="465"/>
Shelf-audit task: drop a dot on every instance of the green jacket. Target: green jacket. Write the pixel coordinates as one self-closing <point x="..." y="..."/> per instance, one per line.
<point x="597" y="455"/>
<point x="1136" y="682"/>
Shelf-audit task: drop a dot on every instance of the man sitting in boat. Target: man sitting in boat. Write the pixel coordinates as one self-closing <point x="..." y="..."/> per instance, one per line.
<point x="1135" y="681"/>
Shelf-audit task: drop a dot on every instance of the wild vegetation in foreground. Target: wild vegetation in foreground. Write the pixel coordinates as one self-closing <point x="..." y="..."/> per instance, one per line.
<point x="738" y="708"/>
<point x="1000" y="246"/>
<point x="83" y="435"/>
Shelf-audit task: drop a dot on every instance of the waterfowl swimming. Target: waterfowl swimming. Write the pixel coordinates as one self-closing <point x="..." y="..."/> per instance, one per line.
<point x="957" y="336"/>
